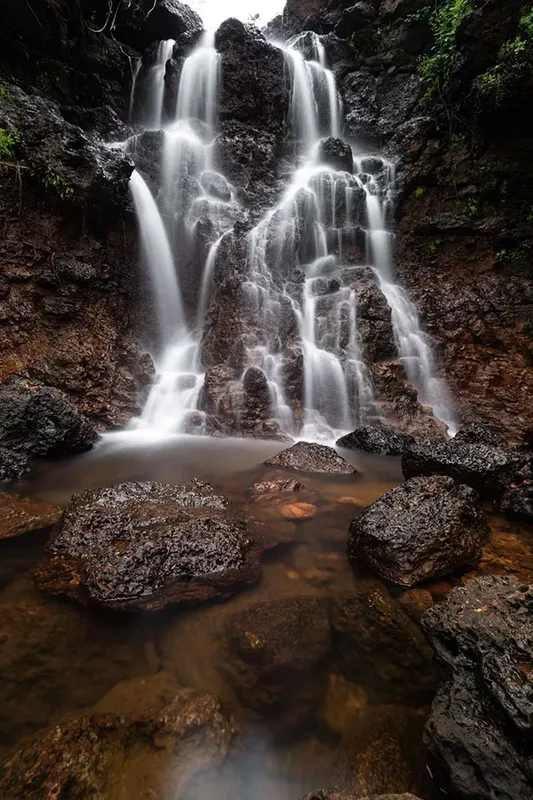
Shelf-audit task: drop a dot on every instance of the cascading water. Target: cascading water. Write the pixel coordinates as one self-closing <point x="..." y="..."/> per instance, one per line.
<point x="305" y="257"/>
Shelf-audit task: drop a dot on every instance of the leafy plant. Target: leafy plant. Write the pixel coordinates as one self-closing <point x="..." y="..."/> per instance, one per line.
<point x="436" y="66"/>
<point x="57" y="184"/>
<point x="286" y="130"/>
<point x="514" y="57"/>
<point x="513" y="255"/>
<point x="434" y="245"/>
<point x="419" y="191"/>
<point x="9" y="140"/>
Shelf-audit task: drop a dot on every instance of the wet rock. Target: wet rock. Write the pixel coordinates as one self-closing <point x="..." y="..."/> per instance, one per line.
<point x="517" y="501"/>
<point x="298" y="511"/>
<point x="12" y="465"/>
<point x="479" y="433"/>
<point x="480" y="725"/>
<point x="302" y="9"/>
<point x="341" y="794"/>
<point x="415" y="602"/>
<point x="355" y="18"/>
<point x="151" y="727"/>
<point x="256" y="407"/>
<point x="216" y="185"/>
<point x="423" y="529"/>
<point x="41" y="421"/>
<point x="169" y="19"/>
<point x="336" y="154"/>
<point x="19" y="514"/>
<point x="486" y="468"/>
<point x="148" y="545"/>
<point x="275" y="487"/>
<point x="375" y="107"/>
<point x="309" y="457"/>
<point x="371" y="439"/>
<point x="379" y="647"/>
<point x="277" y="654"/>
<point x="257" y="96"/>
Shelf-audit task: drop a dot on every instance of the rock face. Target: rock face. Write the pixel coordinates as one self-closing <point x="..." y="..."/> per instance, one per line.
<point x="383" y="441"/>
<point x="277" y="649"/>
<point x="150" y="727"/>
<point x="148" y="545"/>
<point x="12" y="465"/>
<point x="308" y="457"/>
<point x="20" y="514"/>
<point x="486" y="468"/>
<point x="479" y="730"/>
<point x="339" y="794"/>
<point x="423" y="529"/>
<point x="40" y="421"/>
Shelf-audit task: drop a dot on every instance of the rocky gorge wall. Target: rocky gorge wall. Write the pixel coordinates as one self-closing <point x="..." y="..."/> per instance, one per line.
<point x="453" y="111"/>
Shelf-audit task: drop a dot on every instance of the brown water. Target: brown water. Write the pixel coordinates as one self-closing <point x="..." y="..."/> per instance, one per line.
<point x="57" y="659"/>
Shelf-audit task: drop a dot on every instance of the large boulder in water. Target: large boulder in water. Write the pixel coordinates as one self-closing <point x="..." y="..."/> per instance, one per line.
<point x="41" y="421"/>
<point x="148" y="545"/>
<point x="153" y="728"/>
<point x="423" y="529"/>
<point x="371" y="439"/>
<point x="310" y="457"/>
<point x="486" y="468"/>
<point x="481" y="724"/>
<point x="253" y="85"/>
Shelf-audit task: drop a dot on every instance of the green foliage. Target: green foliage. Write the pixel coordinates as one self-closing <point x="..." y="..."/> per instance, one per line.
<point x="436" y="66"/>
<point x="9" y="141"/>
<point x="508" y="256"/>
<point x="286" y="130"/>
<point x="55" y="183"/>
<point x="515" y="57"/>
<point x="419" y="191"/>
<point x="434" y="245"/>
<point x="469" y="206"/>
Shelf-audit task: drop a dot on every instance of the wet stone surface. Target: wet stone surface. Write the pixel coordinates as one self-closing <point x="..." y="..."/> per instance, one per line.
<point x="308" y="457"/>
<point x="19" y="514"/>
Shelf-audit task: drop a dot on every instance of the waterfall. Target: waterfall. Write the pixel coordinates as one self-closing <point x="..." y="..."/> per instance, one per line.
<point x="306" y="259"/>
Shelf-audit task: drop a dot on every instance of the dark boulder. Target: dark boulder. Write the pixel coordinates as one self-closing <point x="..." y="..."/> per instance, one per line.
<point x="336" y="154"/>
<point x="379" y="647"/>
<point x="256" y="398"/>
<point x="13" y="465"/>
<point x="481" y="723"/>
<point x="148" y="545"/>
<point x="150" y="726"/>
<point x="421" y="530"/>
<point x="41" y="421"/>
<point x="354" y="19"/>
<point x="479" y="433"/>
<point x="517" y="501"/>
<point x="375" y="107"/>
<point x="341" y="794"/>
<point x="260" y="95"/>
<point x="486" y="468"/>
<point x="310" y="457"/>
<point x="170" y="19"/>
<point x="371" y="439"/>
<point x="277" y="651"/>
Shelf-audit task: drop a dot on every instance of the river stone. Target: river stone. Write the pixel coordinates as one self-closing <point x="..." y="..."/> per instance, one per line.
<point x="148" y="545"/>
<point x="379" y="647"/>
<point x="141" y="733"/>
<point x="486" y="468"/>
<point x="371" y="439"/>
<point x="274" y="488"/>
<point x="336" y="154"/>
<point x="479" y="433"/>
<point x="277" y="650"/>
<point x="310" y="457"/>
<point x="517" y="501"/>
<point x="41" y="421"/>
<point x="481" y="722"/>
<point x="19" y="514"/>
<point x="12" y="465"/>
<point x="421" y="530"/>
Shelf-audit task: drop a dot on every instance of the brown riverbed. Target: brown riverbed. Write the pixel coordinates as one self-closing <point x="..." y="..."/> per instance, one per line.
<point x="58" y="659"/>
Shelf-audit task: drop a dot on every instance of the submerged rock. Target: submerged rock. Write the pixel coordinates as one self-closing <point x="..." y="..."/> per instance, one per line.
<point x="310" y="457"/>
<point x="269" y="488"/>
<point x="19" y="514"/>
<point x="148" y="545"/>
<point x="379" y="647"/>
<point x="486" y="468"/>
<point x="41" y="421"/>
<point x="481" y="722"/>
<point x="142" y="734"/>
<point x="371" y="439"/>
<point x="277" y="651"/>
<point x="421" y="530"/>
